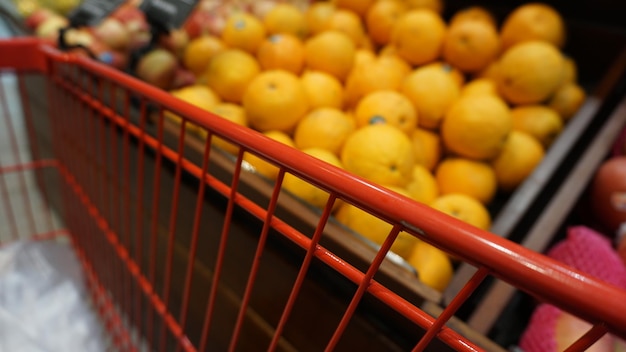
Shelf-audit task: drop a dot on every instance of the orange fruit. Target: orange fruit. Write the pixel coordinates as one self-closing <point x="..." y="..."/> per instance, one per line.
<point x="275" y="100"/>
<point x="229" y="72"/>
<point x="519" y="158"/>
<point x="433" y="5"/>
<point x="198" y="95"/>
<point x="243" y="31"/>
<point x="473" y="13"/>
<point x="381" y="17"/>
<point x="349" y="23"/>
<point x="567" y="100"/>
<point x="389" y="107"/>
<point x="234" y="113"/>
<point x="477" y="126"/>
<point x="318" y="16"/>
<point x="539" y="121"/>
<point x="418" y="36"/>
<point x="375" y="229"/>
<point x="471" y="45"/>
<point x="433" y="266"/>
<point x="332" y="52"/>
<point x="281" y="51"/>
<point x="464" y="208"/>
<point x="359" y="7"/>
<point x="423" y="186"/>
<point x="489" y="72"/>
<point x="262" y="166"/>
<point x="303" y="189"/>
<point x="286" y="18"/>
<point x="480" y="86"/>
<point x="199" y="52"/>
<point x="324" y="128"/>
<point x="455" y="73"/>
<point x="473" y="178"/>
<point x="322" y="89"/>
<point x="533" y="21"/>
<point x="372" y="74"/>
<point x="432" y="91"/>
<point x="570" y="70"/>
<point x="427" y="147"/>
<point x="530" y="72"/>
<point x="380" y="153"/>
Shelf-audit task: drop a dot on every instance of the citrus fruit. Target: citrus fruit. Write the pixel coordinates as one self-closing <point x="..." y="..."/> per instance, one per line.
<point x="530" y="72"/>
<point x="303" y="189"/>
<point x="234" y="113"/>
<point x="533" y="21"/>
<point x="380" y="153"/>
<point x="261" y="165"/>
<point x="570" y="70"/>
<point x="359" y="7"/>
<point x="567" y="100"/>
<point x="471" y="45"/>
<point x="539" y="121"/>
<point x="433" y="5"/>
<point x="229" y="72"/>
<point x="389" y="107"/>
<point x="199" y="52"/>
<point x="286" y="18"/>
<point x="418" y="36"/>
<point x="433" y="266"/>
<point x="427" y="147"/>
<point x="455" y="73"/>
<point x="489" y="72"/>
<point x="331" y="52"/>
<point x="381" y="17"/>
<point x="318" y="16"/>
<point x="281" y="51"/>
<point x="349" y="23"/>
<point x="477" y="126"/>
<point x="374" y="228"/>
<point x="518" y="159"/>
<point x="275" y="100"/>
<point x="464" y="208"/>
<point x="325" y="128"/>
<point x="423" y="186"/>
<point x="322" y="89"/>
<point x="473" y="178"/>
<point x="371" y="74"/>
<point x="197" y="95"/>
<point x="473" y="13"/>
<point x="432" y="91"/>
<point x="480" y="86"/>
<point x="243" y="31"/>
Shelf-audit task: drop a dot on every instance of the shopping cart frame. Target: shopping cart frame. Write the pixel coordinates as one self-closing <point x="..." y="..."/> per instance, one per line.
<point x="539" y="276"/>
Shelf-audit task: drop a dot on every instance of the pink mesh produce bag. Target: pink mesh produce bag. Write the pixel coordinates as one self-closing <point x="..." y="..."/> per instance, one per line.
<point x="585" y="250"/>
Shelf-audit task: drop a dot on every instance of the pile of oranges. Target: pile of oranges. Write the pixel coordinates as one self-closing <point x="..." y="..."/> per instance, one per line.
<point x="447" y="112"/>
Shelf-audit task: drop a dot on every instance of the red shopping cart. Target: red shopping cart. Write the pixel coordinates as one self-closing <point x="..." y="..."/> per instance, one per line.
<point x="116" y="172"/>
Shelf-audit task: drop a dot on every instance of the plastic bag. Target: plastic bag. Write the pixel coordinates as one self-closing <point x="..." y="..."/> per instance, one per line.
<point x="43" y="302"/>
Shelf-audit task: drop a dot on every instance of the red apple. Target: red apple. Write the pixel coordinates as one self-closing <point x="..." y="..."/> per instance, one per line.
<point x="158" y="67"/>
<point x="114" y="33"/>
<point x="200" y="22"/>
<point x="608" y="193"/>
<point x="128" y="13"/>
<point x="183" y="78"/>
<point x="175" y="41"/>
<point x="38" y="16"/>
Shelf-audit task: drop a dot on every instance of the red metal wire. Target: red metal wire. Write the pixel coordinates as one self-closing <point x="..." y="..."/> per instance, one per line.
<point x="139" y="243"/>
<point x="588" y="339"/>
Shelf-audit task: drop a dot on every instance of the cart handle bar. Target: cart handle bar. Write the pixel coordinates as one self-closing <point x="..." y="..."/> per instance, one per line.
<point x="540" y="276"/>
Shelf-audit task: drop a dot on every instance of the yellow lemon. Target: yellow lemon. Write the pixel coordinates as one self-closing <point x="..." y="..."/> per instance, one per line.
<point x="433" y="266"/>
<point x="275" y="100"/>
<point x="322" y="89"/>
<point x="477" y="127"/>
<point x="418" y="36"/>
<point x="473" y="178"/>
<point x="519" y="158"/>
<point x="423" y="186"/>
<point x="432" y="91"/>
<point x="229" y="73"/>
<point x="539" y="121"/>
<point x="464" y="208"/>
<point x="380" y="153"/>
<point x="306" y="191"/>
<point x="261" y="165"/>
<point x="324" y="128"/>
<point x="530" y="72"/>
